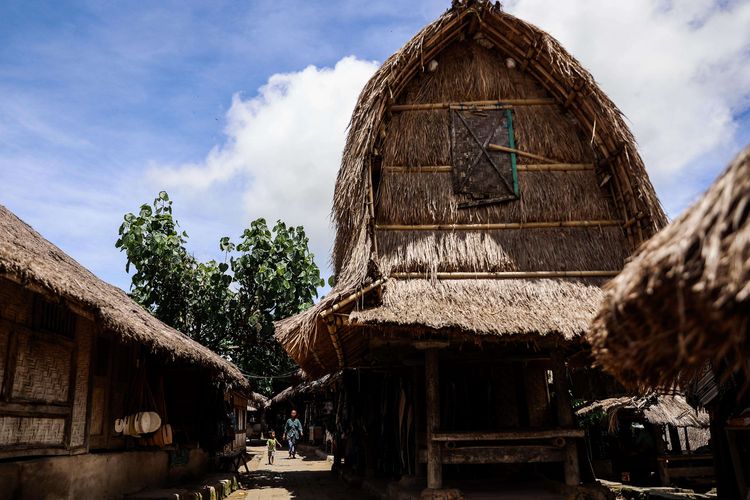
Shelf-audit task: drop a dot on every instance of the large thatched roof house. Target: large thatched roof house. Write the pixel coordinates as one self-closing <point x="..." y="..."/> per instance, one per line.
<point x="78" y="357"/>
<point x="488" y="188"/>
<point x="414" y="249"/>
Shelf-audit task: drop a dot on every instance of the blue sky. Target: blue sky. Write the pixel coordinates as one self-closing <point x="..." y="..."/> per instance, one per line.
<point x="239" y="108"/>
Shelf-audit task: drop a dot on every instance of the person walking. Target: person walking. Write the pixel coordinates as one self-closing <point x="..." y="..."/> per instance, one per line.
<point x="293" y="433"/>
<point x="272" y="445"/>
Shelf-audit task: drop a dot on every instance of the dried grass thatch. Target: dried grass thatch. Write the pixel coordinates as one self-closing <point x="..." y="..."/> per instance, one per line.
<point x="29" y="259"/>
<point x="684" y="299"/>
<point x="471" y="44"/>
<point x="657" y="409"/>
<point x="489" y="307"/>
<point x="324" y="383"/>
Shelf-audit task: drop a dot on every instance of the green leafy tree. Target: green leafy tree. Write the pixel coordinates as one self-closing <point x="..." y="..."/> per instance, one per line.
<point x="227" y="306"/>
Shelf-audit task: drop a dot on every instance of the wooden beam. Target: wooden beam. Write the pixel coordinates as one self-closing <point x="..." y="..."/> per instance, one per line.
<point x="430" y="344"/>
<point x="432" y="389"/>
<point x="529" y="167"/>
<point x="351" y="298"/>
<point x="511" y="435"/>
<point x="34" y="410"/>
<point x="508" y="275"/>
<point x="565" y="418"/>
<point x="501" y="454"/>
<point x="495" y="226"/>
<point x="519" y="152"/>
<point x="394" y="169"/>
<point x="541" y="101"/>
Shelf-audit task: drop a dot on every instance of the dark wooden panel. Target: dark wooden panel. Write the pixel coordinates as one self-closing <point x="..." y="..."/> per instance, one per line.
<point x="477" y="171"/>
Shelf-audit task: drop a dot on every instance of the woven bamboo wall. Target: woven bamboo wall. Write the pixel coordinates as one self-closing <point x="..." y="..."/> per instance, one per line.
<point x="42" y="370"/>
<point x="84" y="339"/>
<point x="40" y="367"/>
<point x="31" y="431"/>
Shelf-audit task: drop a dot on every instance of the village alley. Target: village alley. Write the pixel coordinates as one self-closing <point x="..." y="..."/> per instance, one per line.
<point x="307" y="477"/>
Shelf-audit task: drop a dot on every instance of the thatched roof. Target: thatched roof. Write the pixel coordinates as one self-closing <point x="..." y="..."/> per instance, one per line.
<point x="684" y="300"/>
<point x="321" y="384"/>
<point x="487" y="307"/>
<point x="398" y="218"/>
<point x="658" y="409"/>
<point x="29" y="259"/>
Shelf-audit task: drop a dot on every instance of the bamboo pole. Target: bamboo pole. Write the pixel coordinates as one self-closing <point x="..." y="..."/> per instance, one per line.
<point x="556" y="167"/>
<point x="351" y="298"/>
<point x="501" y="103"/>
<point x="506" y="149"/>
<point x="529" y="167"/>
<point x="393" y="169"/>
<point x="497" y="226"/>
<point x="331" y="326"/>
<point x="500" y="275"/>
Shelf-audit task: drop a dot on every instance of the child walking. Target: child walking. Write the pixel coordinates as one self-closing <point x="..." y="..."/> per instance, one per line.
<point x="272" y="444"/>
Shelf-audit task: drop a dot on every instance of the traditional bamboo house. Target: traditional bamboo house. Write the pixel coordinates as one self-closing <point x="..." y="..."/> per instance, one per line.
<point x="646" y="440"/>
<point x="78" y="356"/>
<point x="679" y="314"/>
<point x="488" y="188"/>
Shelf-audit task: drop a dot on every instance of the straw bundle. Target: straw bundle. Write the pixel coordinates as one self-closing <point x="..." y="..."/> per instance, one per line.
<point x="29" y="259"/>
<point x="559" y="116"/>
<point x="684" y="299"/>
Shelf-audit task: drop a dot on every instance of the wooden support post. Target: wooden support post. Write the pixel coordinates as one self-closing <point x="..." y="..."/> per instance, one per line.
<point x="434" y="464"/>
<point x="566" y="418"/>
<point x="419" y="469"/>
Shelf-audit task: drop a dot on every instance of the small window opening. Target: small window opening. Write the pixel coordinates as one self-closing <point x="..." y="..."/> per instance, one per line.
<point x="484" y="164"/>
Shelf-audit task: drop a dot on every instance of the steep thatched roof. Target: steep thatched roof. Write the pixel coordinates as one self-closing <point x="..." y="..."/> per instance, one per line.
<point x="658" y="409"/>
<point x="398" y="218"/>
<point x="684" y="299"/>
<point x="29" y="259"/>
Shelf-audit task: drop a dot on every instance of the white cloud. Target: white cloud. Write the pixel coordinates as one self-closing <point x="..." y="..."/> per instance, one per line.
<point x="286" y="144"/>
<point x="680" y="71"/>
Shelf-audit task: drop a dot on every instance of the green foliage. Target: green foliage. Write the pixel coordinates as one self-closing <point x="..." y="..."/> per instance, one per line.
<point x="227" y="306"/>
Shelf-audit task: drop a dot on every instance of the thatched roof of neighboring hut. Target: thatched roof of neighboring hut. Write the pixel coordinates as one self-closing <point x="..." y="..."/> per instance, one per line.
<point x="658" y="409"/>
<point x="32" y="261"/>
<point x="323" y="383"/>
<point x="480" y="53"/>
<point x="684" y="299"/>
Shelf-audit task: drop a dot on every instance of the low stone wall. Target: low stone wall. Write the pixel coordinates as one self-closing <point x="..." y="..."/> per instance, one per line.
<point x="94" y="475"/>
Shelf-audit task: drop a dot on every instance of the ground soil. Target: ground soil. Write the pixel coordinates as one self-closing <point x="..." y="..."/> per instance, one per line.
<point x="307" y="477"/>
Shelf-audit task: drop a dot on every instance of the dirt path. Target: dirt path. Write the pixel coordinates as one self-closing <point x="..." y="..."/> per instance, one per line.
<point x="307" y="477"/>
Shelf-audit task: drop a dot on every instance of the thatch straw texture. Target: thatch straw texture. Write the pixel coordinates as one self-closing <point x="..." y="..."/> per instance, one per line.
<point x="326" y="382"/>
<point x="580" y="249"/>
<point x="684" y="299"/>
<point x="657" y="409"/>
<point x="464" y="56"/>
<point x="427" y="198"/>
<point x="488" y="307"/>
<point x="26" y="257"/>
